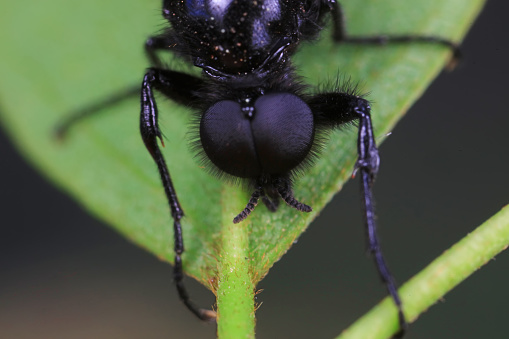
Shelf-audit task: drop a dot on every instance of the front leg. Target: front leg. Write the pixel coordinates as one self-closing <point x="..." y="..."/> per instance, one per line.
<point x="168" y="82"/>
<point x="332" y="110"/>
<point x="368" y="164"/>
<point x="369" y="160"/>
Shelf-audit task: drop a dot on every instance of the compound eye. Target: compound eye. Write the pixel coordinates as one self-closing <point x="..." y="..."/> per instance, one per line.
<point x="283" y="130"/>
<point x="226" y="137"/>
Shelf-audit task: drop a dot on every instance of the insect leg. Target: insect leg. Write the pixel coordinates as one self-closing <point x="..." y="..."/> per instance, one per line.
<point x="250" y="205"/>
<point x="155" y="43"/>
<point x="75" y="117"/>
<point x="178" y="86"/>
<point x="340" y="35"/>
<point x="280" y="187"/>
<point x="272" y="205"/>
<point x="332" y="110"/>
<point x="271" y="198"/>
<point x="151" y="46"/>
<point x="283" y="186"/>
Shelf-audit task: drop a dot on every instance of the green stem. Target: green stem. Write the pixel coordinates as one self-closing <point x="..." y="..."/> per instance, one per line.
<point x="235" y="288"/>
<point x="432" y="283"/>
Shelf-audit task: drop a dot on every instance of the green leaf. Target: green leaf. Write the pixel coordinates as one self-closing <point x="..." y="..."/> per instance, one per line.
<point x="59" y="56"/>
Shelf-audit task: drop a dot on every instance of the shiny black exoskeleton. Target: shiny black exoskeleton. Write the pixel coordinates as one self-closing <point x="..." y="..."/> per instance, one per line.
<point x="257" y="120"/>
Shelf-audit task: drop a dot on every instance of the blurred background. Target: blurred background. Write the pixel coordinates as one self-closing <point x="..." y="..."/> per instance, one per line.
<point x="444" y="171"/>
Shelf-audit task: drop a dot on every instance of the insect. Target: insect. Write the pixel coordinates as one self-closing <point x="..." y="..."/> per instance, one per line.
<point x="258" y="122"/>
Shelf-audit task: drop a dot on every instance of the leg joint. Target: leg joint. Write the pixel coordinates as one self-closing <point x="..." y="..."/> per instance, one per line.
<point x="362" y="107"/>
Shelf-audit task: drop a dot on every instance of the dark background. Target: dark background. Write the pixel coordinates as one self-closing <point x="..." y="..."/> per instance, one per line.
<point x="444" y="171"/>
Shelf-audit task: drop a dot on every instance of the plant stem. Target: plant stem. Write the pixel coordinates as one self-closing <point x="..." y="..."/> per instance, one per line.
<point x="438" y="278"/>
<point x="235" y="288"/>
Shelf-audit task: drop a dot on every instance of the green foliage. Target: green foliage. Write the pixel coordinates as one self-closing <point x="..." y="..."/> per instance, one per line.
<point x="60" y="56"/>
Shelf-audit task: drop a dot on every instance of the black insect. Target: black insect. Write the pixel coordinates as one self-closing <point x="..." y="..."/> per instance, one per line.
<point x="257" y="121"/>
